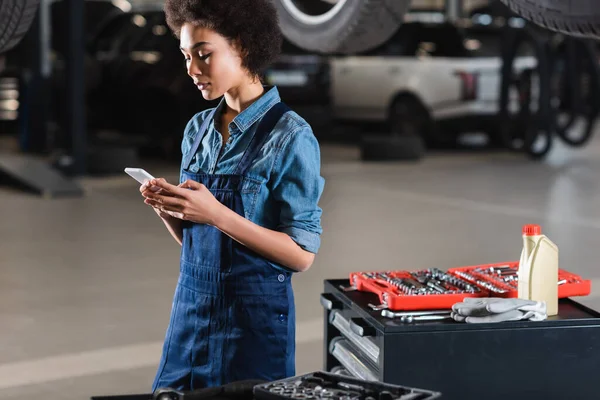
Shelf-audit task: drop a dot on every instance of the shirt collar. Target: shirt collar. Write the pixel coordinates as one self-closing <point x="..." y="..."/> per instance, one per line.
<point x="256" y="110"/>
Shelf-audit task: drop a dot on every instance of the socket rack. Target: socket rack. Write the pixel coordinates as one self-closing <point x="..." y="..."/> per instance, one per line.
<point x="435" y="289"/>
<point x="328" y="386"/>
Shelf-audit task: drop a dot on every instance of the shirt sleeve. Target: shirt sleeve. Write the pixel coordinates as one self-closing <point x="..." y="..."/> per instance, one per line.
<point x="297" y="188"/>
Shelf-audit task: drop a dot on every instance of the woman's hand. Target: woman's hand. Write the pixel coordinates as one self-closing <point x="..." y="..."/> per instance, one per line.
<point x="147" y="188"/>
<point x="190" y="201"/>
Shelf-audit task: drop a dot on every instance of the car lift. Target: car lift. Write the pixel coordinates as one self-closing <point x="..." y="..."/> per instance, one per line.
<point x="525" y="131"/>
<point x="454" y="9"/>
<point x="32" y="172"/>
<point x="579" y="56"/>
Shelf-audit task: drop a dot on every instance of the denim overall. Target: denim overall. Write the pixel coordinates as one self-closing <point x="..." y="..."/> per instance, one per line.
<point x="233" y="314"/>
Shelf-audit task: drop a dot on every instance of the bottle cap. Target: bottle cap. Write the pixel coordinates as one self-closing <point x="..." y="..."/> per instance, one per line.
<point x="532" y="230"/>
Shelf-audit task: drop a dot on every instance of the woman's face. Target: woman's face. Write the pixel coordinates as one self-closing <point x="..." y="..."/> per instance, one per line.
<point x="211" y="61"/>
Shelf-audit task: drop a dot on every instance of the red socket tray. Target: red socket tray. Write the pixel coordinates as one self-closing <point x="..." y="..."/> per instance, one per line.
<point x="489" y="285"/>
<point x="395" y="299"/>
<point x="571" y="285"/>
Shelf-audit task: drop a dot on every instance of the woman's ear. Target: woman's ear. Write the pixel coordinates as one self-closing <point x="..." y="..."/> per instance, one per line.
<point x="237" y="45"/>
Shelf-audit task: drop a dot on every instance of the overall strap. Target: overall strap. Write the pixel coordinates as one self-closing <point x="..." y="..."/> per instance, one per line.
<point x="199" y="136"/>
<point x="263" y="131"/>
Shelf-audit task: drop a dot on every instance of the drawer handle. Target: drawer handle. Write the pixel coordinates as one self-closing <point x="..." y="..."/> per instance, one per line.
<point x="330" y="302"/>
<point x="361" y="327"/>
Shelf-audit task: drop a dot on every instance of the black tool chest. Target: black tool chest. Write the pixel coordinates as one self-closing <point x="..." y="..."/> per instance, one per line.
<point x="554" y="359"/>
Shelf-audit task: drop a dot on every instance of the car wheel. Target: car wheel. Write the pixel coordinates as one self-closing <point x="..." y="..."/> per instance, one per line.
<point x="340" y="26"/>
<point x="15" y="19"/>
<point x="578" y="102"/>
<point x="408" y="123"/>
<point x="573" y="17"/>
<point x="409" y="117"/>
<point x="541" y="145"/>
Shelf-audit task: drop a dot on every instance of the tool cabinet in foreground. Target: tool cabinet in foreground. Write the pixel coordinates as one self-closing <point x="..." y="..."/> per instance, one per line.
<point x="553" y="359"/>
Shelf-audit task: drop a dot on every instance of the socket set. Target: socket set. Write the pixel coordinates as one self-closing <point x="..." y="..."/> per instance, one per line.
<point x="420" y="290"/>
<point x="435" y="289"/>
<point x="328" y="386"/>
<point x="502" y="280"/>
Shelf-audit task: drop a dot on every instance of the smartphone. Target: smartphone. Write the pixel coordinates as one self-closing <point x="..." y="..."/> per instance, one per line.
<point x="139" y="174"/>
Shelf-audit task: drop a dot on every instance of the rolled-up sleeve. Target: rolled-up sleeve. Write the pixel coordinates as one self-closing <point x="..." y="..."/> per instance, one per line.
<point x="297" y="188"/>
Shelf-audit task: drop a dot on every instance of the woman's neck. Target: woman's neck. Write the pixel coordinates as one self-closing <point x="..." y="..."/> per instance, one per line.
<point x="240" y="97"/>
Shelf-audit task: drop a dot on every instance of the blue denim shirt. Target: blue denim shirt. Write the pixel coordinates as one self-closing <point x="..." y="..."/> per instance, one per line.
<point x="284" y="183"/>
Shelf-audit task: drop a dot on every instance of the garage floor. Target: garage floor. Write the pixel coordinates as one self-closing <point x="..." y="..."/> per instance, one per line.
<point x="86" y="284"/>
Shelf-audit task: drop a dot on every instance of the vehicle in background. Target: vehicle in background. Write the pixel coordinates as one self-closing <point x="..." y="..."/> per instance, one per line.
<point x="352" y="26"/>
<point x="437" y="80"/>
<point x="344" y="26"/>
<point x="142" y="66"/>
<point x="303" y="80"/>
<point x="145" y="97"/>
<point x="301" y="77"/>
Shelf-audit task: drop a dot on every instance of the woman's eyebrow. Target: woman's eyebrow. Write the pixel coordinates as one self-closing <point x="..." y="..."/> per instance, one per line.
<point x="195" y="46"/>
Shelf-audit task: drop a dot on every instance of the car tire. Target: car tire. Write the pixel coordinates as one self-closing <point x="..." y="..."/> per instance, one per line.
<point x="347" y="27"/>
<point x="16" y="17"/>
<point x="534" y="150"/>
<point x="573" y="17"/>
<point x="582" y="103"/>
<point x="409" y="117"/>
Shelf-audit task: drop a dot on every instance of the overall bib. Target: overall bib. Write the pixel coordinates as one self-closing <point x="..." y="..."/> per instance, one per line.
<point x="233" y="314"/>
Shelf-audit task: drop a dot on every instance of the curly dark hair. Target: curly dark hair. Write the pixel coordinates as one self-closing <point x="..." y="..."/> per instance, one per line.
<point x="251" y="23"/>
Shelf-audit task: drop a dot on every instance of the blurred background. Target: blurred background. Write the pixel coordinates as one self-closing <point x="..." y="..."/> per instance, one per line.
<point x="437" y="146"/>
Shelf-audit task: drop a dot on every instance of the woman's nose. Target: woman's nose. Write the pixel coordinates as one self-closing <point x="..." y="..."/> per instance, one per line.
<point x="193" y="69"/>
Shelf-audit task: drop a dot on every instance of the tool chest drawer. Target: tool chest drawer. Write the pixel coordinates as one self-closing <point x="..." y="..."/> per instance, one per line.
<point x="553" y="359"/>
<point x="367" y="345"/>
<point x="352" y="360"/>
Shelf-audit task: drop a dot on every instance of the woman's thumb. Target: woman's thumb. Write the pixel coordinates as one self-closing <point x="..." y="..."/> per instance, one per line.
<point x="189" y="184"/>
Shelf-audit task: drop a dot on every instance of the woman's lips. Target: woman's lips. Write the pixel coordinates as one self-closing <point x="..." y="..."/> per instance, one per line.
<point x="202" y="86"/>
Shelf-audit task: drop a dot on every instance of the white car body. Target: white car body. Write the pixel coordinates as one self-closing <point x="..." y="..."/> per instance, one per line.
<point x="364" y="87"/>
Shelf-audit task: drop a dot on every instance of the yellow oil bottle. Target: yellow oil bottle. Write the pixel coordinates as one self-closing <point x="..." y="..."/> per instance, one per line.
<point x="538" y="269"/>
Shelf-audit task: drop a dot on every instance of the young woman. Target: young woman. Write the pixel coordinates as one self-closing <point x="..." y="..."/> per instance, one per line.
<point x="246" y="208"/>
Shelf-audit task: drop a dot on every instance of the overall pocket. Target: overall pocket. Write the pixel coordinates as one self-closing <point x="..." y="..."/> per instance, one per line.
<point x="250" y="189"/>
<point x="205" y="246"/>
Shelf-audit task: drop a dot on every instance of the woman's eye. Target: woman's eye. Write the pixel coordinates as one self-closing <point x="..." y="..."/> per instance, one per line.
<point x="205" y="56"/>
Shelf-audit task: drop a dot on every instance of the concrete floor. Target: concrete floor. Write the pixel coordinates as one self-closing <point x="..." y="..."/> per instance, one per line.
<point x="86" y="284"/>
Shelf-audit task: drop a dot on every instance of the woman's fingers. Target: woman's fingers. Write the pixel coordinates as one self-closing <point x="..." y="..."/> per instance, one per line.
<point x="167" y="202"/>
<point x="157" y="189"/>
<point x="166" y="186"/>
<point x="165" y="209"/>
<point x="150" y="191"/>
<point x="190" y="184"/>
<point x="158" y="186"/>
<point x="148" y="187"/>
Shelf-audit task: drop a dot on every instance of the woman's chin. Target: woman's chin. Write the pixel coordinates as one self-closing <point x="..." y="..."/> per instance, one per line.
<point x="209" y="94"/>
